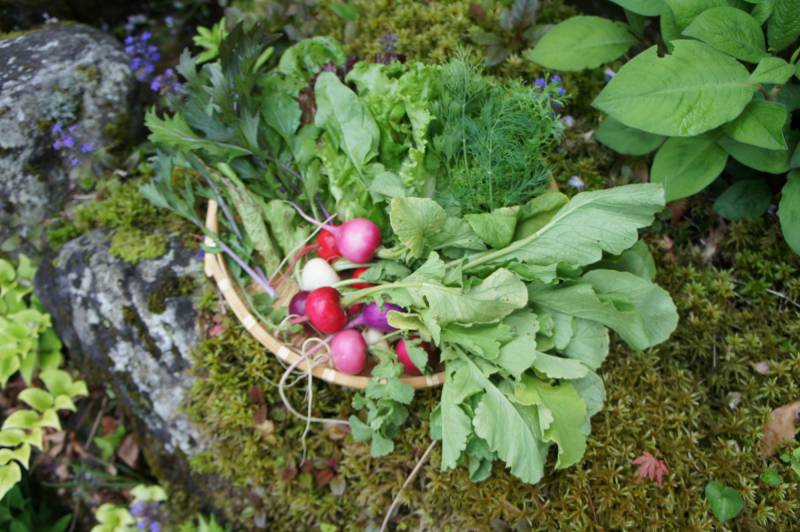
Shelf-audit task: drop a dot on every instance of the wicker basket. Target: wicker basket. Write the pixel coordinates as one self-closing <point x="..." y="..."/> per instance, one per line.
<point x="215" y="267"/>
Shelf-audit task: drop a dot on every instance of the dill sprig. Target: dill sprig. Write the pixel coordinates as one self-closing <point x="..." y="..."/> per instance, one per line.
<point x="490" y="140"/>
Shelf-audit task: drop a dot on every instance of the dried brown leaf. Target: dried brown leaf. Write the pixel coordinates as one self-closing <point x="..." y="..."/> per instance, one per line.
<point x="780" y="428"/>
<point x="128" y="451"/>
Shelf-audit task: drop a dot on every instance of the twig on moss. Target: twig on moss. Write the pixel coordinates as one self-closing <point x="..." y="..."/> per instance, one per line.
<point x="409" y="480"/>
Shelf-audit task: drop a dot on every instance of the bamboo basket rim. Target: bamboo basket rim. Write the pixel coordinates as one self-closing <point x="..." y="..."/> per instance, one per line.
<point x="216" y="268"/>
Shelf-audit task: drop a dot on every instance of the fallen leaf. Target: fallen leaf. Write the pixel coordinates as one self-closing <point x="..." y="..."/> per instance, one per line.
<point x="780" y="428"/>
<point x="128" y="451"/>
<point x="650" y="468"/>
<point x="336" y="431"/>
<point x="260" y="415"/>
<point x="324" y="476"/>
<point x="677" y="210"/>
<point x="109" y="424"/>
<point x="338" y="485"/>
<point x="288" y="474"/>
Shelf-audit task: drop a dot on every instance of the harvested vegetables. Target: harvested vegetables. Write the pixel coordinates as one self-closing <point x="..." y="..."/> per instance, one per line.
<point x="509" y="289"/>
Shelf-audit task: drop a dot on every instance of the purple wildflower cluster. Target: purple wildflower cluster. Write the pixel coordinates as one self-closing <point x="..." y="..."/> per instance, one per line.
<point x="166" y="82"/>
<point x="67" y="143"/>
<point x="148" y="515"/>
<point x="553" y="86"/>
<point x="144" y="55"/>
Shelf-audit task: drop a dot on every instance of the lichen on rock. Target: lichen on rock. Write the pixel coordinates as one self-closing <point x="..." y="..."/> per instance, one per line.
<point x="70" y="74"/>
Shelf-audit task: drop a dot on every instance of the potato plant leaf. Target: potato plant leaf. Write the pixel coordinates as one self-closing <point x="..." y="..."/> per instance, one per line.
<point x="760" y="124"/>
<point x="783" y="27"/>
<point x="685" y="166"/>
<point x="744" y="200"/>
<point x="731" y="31"/>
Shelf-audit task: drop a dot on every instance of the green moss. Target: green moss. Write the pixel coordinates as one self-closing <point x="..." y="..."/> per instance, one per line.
<point x="133" y="245"/>
<point x="11" y="35"/>
<point x="139" y="229"/>
<point x="91" y="72"/>
<point x="169" y="287"/>
<point x="61" y="233"/>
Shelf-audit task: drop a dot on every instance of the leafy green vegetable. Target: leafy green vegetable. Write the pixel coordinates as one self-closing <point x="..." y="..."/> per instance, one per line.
<point x="686" y="165"/>
<point x="624" y="139"/>
<point x="730" y="30"/>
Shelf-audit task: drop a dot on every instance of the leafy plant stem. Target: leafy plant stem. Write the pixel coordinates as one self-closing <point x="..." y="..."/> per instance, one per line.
<point x="795" y="56"/>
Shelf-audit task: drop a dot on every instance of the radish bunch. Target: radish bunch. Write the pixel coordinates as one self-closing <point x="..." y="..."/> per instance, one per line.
<point x="319" y="302"/>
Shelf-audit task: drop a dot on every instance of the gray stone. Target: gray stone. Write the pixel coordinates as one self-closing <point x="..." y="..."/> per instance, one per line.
<point x="125" y="326"/>
<point x="70" y="74"/>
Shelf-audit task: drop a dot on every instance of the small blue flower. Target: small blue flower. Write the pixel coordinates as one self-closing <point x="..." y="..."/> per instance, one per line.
<point x="129" y="39"/>
<point x="155" y="526"/>
<point x="556" y="79"/>
<point x="561" y="91"/>
<point x="56" y="129"/>
<point x="146" y="36"/>
<point x="86" y="147"/>
<point x="540" y="83"/>
<point x="577" y="183"/>
<point x="138" y="508"/>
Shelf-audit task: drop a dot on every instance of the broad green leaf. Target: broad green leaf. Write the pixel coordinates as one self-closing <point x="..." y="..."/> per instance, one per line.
<point x="648" y="8"/>
<point x="693" y="90"/>
<point x="626" y="140"/>
<point x="36" y="398"/>
<point x="346" y="119"/>
<point x="456" y="424"/>
<point x="422" y="225"/>
<point x="537" y="212"/>
<point x="11" y="437"/>
<point x="307" y="57"/>
<point x="496" y="228"/>
<point x="789" y="211"/>
<point x="481" y="340"/>
<point x="566" y="412"/>
<point x="795" y="160"/>
<point x="518" y="355"/>
<point x="557" y="367"/>
<point x="250" y="209"/>
<point x="770" y="161"/>
<point x="589" y="343"/>
<point x="590" y="224"/>
<point x="21" y="454"/>
<point x="641" y="312"/>
<point x="687" y="165"/>
<point x="725" y="502"/>
<point x="592" y="391"/>
<point x="783" y="27"/>
<point x="637" y="260"/>
<point x="50" y="419"/>
<point x="762" y="10"/>
<point x="685" y="11"/>
<point x="10" y="474"/>
<point x="359" y="429"/>
<point x="669" y="28"/>
<point x="280" y="108"/>
<point x="744" y="200"/>
<point x="760" y="124"/>
<point x="582" y="42"/>
<point x="772" y="70"/>
<point x="283" y="227"/>
<point x="21" y="419"/>
<point x="512" y="431"/>
<point x="729" y="30"/>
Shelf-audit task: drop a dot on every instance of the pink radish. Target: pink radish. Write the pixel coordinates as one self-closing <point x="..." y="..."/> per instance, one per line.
<point x="357" y="240"/>
<point x="405" y="359"/>
<point x="349" y="351"/>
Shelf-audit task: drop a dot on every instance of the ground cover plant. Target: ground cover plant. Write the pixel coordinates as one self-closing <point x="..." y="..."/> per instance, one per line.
<point x="715" y="94"/>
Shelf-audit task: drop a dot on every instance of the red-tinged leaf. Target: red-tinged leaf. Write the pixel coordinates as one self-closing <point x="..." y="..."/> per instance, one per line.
<point x="288" y="474"/>
<point x="650" y="468"/>
<point x="780" y="428"/>
<point x="325" y="476"/>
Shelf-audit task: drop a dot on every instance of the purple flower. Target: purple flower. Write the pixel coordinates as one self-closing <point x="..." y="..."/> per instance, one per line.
<point x="155" y="526"/>
<point x="74" y="161"/>
<point x="561" y="91"/>
<point x="57" y="145"/>
<point x="540" y="83"/>
<point x="577" y="183"/>
<point x="169" y="21"/>
<point x="56" y="129"/>
<point x="146" y="36"/>
<point x="141" y="525"/>
<point x="66" y="142"/>
<point x="556" y="79"/>
<point x="129" y="39"/>
<point x="138" y="508"/>
<point x="86" y="147"/>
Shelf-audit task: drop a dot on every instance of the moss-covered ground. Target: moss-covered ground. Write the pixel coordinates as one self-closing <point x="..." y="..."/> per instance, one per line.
<point x="696" y="402"/>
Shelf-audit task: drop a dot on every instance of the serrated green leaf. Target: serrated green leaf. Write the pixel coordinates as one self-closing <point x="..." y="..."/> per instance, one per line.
<point x="725" y="502"/>
<point x="565" y="414"/>
<point x="693" y="90"/>
<point x="512" y="431"/>
<point x="731" y="31"/>
<point x="456" y="424"/>
<point x="685" y="166"/>
<point x="760" y="124"/>
<point x="36" y="398"/>
<point x="789" y="211"/>
<point x="783" y="27"/>
<point x="582" y="42"/>
<point x="626" y="140"/>
<point x="360" y="430"/>
<point x="773" y="70"/>
<point x="173" y="132"/>
<point x="744" y="200"/>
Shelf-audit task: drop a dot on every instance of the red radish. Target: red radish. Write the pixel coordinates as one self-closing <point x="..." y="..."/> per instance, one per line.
<point x="326" y="243"/>
<point x="356" y="274"/>
<point x="402" y="356"/>
<point x="324" y="311"/>
<point x="357" y="240"/>
<point x="355" y="308"/>
<point x="317" y="273"/>
<point x="349" y="351"/>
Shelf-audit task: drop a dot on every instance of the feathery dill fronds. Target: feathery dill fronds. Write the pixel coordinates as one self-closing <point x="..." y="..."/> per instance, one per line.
<point x="490" y="139"/>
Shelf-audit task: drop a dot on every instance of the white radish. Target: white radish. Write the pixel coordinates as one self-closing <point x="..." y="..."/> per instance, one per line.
<point x="316" y="274"/>
<point x="375" y="338"/>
